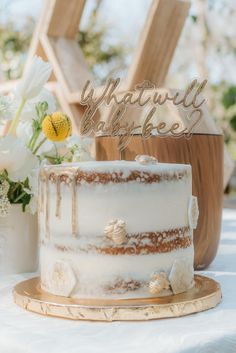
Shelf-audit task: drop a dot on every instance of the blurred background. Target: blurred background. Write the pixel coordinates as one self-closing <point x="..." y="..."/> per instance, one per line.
<point x="108" y="36"/>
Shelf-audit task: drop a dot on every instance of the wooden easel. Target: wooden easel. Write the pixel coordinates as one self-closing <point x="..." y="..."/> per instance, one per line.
<point x="55" y="40"/>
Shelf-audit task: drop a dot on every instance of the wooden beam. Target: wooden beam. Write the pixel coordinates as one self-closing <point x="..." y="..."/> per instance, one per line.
<point x="158" y="41"/>
<point x="73" y="111"/>
<point x="69" y="65"/>
<point x="63" y="17"/>
<point x="36" y="47"/>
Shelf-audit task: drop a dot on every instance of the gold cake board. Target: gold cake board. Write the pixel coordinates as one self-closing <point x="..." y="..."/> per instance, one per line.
<point x="206" y="294"/>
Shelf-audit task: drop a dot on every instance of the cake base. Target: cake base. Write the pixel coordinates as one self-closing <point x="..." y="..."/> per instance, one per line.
<point x="205" y="295"/>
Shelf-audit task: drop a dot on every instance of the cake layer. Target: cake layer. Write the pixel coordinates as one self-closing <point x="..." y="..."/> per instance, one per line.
<point x="98" y="275"/>
<point x="139" y="243"/>
<point x="86" y="207"/>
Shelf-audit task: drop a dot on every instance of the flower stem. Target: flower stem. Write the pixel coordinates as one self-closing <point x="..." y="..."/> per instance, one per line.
<point x="39" y="145"/>
<point x="33" y="140"/>
<point x="30" y="142"/>
<point x="15" y="121"/>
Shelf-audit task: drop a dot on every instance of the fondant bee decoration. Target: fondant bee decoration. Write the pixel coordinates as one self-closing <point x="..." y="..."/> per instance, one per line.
<point x="116" y="230"/>
<point x="145" y="159"/>
<point x="158" y="283"/>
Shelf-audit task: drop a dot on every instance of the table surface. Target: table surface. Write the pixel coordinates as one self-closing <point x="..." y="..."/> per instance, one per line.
<point x="212" y="331"/>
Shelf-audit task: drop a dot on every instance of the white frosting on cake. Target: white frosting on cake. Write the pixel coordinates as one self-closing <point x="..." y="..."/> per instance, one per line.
<point x="150" y="205"/>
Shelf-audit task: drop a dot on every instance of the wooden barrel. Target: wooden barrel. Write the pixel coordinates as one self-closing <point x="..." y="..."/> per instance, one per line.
<point x="205" y="154"/>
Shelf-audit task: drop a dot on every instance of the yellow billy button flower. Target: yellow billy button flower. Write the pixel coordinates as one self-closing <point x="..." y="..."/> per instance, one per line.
<point x="56" y="127"/>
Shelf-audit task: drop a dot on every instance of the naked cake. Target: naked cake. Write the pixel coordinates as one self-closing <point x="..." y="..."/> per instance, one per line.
<point x="119" y="229"/>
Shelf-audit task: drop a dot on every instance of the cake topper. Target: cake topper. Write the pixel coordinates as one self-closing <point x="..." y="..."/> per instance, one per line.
<point x="145" y="95"/>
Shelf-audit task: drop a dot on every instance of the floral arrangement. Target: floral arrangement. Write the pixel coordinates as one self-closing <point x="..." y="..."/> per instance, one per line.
<point x="33" y="133"/>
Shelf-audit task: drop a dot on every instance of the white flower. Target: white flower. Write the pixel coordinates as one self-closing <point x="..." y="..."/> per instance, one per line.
<point x="4" y="206"/>
<point x="35" y="78"/>
<point x="46" y="96"/>
<point x="29" y="111"/>
<point x="81" y="156"/>
<point x="16" y="158"/>
<point x="4" y="188"/>
<point x="6" y="108"/>
<point x="24" y="131"/>
<point x="53" y="149"/>
<point x="81" y="148"/>
<point x="74" y="140"/>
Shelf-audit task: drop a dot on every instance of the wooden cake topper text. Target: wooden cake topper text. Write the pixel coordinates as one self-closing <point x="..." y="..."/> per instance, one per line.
<point x="144" y="94"/>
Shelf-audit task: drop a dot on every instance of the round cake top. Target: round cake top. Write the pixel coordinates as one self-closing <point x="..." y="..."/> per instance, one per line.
<point x="145" y="169"/>
<point x="116" y="166"/>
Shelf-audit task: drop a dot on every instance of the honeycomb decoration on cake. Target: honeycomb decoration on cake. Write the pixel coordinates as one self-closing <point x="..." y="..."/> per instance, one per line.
<point x="181" y="276"/>
<point x="62" y="278"/>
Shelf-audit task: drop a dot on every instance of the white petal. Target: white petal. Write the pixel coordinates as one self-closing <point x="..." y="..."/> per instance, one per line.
<point x="34" y="79"/>
<point x="6" y="108"/>
<point x="16" y="158"/>
<point x="23" y="170"/>
<point x="33" y="181"/>
<point x="46" y="96"/>
<point x="24" y="131"/>
<point x="29" y="111"/>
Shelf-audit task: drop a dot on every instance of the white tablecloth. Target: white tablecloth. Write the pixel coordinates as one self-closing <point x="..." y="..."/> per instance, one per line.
<point x="213" y="331"/>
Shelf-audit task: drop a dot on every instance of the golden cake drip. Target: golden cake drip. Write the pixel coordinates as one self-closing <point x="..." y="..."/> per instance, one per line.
<point x="74" y="207"/>
<point x="42" y="182"/>
<point x="47" y="211"/>
<point x="58" y="198"/>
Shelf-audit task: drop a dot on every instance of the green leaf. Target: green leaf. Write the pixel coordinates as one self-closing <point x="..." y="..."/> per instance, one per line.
<point x="17" y="193"/>
<point x="229" y="97"/>
<point x="233" y="122"/>
<point x="194" y="18"/>
<point x="25" y="201"/>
